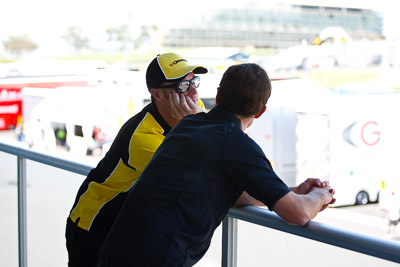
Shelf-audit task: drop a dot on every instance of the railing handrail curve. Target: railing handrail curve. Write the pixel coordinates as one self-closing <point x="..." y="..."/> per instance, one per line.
<point x="46" y="158"/>
<point x="362" y="243"/>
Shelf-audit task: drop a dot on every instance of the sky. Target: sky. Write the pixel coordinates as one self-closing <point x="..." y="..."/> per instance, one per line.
<point x="46" y="20"/>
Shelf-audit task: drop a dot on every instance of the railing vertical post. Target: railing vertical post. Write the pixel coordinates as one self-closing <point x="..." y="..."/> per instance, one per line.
<point x="22" y="234"/>
<point x="229" y="242"/>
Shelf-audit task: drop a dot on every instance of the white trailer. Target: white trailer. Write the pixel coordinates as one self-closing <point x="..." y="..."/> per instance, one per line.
<point x="309" y="131"/>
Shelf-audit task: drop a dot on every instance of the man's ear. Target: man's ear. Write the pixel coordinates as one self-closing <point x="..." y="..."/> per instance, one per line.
<point x="155" y="94"/>
<point x="260" y="112"/>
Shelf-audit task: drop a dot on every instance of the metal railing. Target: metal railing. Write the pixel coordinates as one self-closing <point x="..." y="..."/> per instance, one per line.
<point x="23" y="154"/>
<point x="376" y="247"/>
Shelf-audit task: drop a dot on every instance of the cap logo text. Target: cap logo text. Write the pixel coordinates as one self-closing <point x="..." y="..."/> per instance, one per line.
<point x="176" y="62"/>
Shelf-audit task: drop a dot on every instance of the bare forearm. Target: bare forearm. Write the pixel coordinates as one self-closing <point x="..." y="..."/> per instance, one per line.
<point x="299" y="209"/>
<point x="313" y="202"/>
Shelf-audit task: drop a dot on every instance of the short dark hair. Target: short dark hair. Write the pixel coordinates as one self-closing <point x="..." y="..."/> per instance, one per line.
<point x="244" y="89"/>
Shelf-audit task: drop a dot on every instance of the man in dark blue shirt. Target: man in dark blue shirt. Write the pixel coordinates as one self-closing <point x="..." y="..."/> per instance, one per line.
<point x="198" y="173"/>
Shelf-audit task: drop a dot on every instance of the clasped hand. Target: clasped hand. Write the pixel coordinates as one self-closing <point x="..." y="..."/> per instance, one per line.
<point x="313" y="183"/>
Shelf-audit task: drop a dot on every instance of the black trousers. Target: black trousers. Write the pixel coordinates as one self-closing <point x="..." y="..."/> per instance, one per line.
<point x="83" y="246"/>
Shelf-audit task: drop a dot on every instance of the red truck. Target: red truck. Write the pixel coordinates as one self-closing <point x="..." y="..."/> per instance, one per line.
<point x="10" y="107"/>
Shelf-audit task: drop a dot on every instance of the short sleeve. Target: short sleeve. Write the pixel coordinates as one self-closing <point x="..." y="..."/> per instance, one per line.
<point x="246" y="165"/>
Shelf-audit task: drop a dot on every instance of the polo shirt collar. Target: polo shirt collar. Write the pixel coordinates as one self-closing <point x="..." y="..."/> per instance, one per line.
<point x="223" y="114"/>
<point x="156" y="114"/>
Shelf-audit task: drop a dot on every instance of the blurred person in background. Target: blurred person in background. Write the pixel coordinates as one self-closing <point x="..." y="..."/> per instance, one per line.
<point x="393" y="218"/>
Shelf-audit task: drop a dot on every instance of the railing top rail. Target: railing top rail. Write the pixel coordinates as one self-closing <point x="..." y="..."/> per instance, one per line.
<point x="51" y="160"/>
<point x="369" y="245"/>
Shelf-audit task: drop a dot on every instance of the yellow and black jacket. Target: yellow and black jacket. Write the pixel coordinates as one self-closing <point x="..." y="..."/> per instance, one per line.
<point x="103" y="192"/>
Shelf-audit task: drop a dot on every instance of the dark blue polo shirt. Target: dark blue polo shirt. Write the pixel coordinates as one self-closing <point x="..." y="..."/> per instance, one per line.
<point x="193" y="179"/>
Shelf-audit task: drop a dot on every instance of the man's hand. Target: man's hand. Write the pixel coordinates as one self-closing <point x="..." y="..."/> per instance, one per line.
<point x="306" y="186"/>
<point x="309" y="184"/>
<point x="325" y="185"/>
<point x="182" y="106"/>
<point x="297" y="209"/>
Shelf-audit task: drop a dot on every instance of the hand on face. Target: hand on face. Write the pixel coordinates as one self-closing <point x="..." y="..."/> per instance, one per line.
<point x="182" y="105"/>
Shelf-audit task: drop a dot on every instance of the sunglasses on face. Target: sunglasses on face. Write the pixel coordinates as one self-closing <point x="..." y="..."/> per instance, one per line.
<point x="184" y="85"/>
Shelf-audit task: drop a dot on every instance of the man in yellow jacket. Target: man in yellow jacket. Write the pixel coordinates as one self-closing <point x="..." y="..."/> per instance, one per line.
<point x="173" y="84"/>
